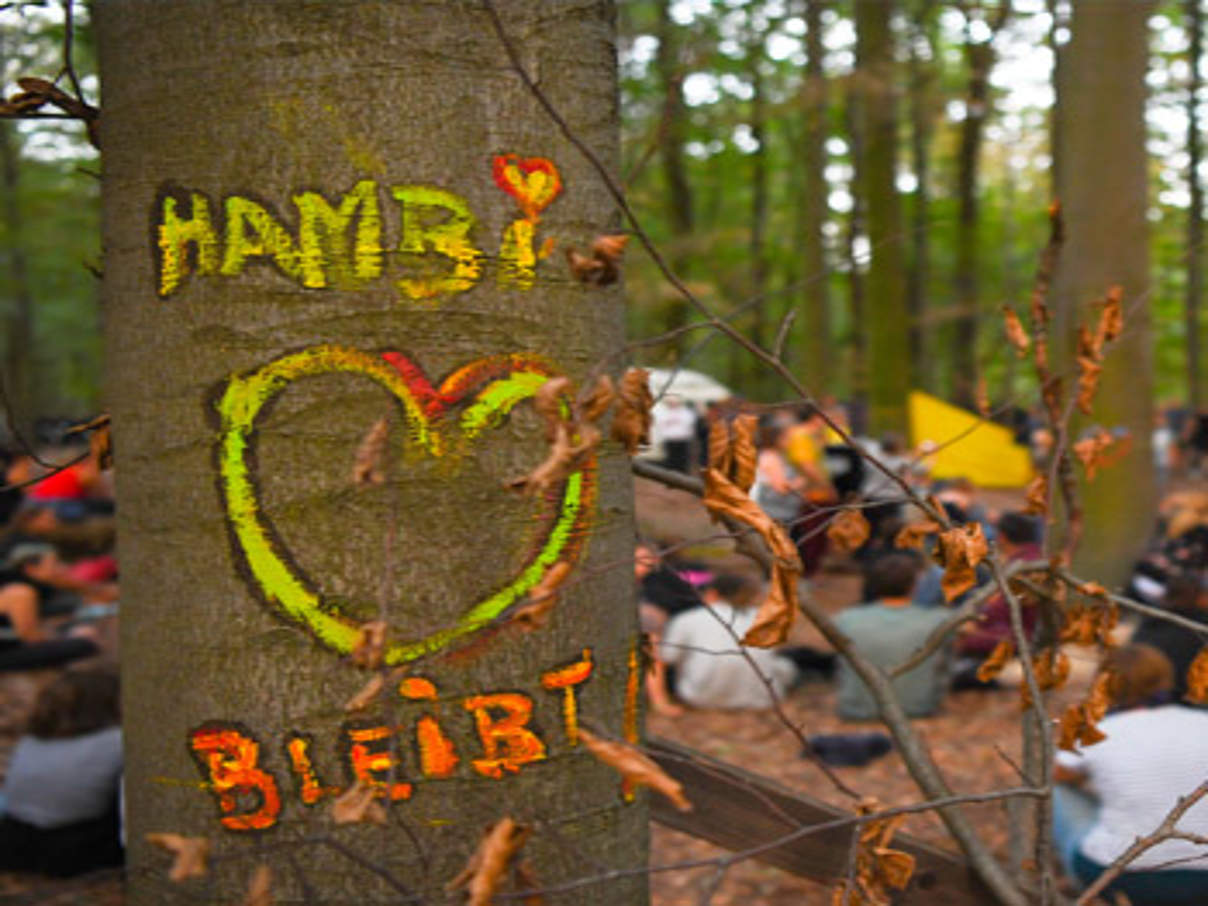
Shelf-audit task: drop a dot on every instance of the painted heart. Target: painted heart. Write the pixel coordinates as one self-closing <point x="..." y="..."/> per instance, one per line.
<point x="533" y="181"/>
<point x="475" y="398"/>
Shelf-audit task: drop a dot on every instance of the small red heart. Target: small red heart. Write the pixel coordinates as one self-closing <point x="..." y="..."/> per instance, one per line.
<point x="533" y="181"/>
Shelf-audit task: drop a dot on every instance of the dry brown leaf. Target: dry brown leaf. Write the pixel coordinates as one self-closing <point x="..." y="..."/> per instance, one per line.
<point x="743" y="452"/>
<point x="631" y="421"/>
<point x="1089" y="371"/>
<point x="635" y="767"/>
<point x="191" y="855"/>
<point x="358" y="805"/>
<point x="994" y="664"/>
<point x="484" y="872"/>
<point x="912" y="534"/>
<point x="723" y="499"/>
<point x="1091" y="451"/>
<point x="894" y="867"/>
<point x="1037" y="503"/>
<point x="1111" y="320"/>
<point x="610" y="248"/>
<point x="1080" y="626"/>
<point x="551" y="401"/>
<point x="369" y="465"/>
<point x="1016" y="335"/>
<point x="720" y="451"/>
<point x="776" y="614"/>
<point x="603" y="267"/>
<point x="371" y="645"/>
<point x="260" y="889"/>
<point x="598" y="400"/>
<point x="368" y="694"/>
<point x="1197" y="678"/>
<point x="542" y="598"/>
<point x="566" y="454"/>
<point x="959" y="550"/>
<point x="983" y="397"/>
<point x="848" y="531"/>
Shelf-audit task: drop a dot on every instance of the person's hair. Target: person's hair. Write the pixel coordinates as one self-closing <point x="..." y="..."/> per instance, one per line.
<point x="77" y="702"/>
<point x="1182" y="592"/>
<point x="1018" y="528"/>
<point x="769" y="433"/>
<point x="728" y="586"/>
<point x="1138" y="674"/>
<point x="890" y="576"/>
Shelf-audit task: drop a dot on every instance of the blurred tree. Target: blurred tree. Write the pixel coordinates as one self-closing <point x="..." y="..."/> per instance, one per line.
<point x="815" y="329"/>
<point x="1197" y="393"/>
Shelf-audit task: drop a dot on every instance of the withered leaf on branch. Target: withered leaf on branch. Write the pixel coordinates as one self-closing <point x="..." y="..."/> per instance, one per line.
<point x="1092" y="451"/>
<point x="370" y="648"/>
<point x="1079" y="722"/>
<point x="1111" y="320"/>
<point x="191" y="854"/>
<point x="959" y="550"/>
<point x="603" y="266"/>
<point x="878" y="867"/>
<point x="526" y="879"/>
<point x="723" y="499"/>
<point x="720" y="451"/>
<point x="260" y="888"/>
<point x="1037" y="502"/>
<point x="601" y="396"/>
<point x="1080" y="626"/>
<point x="848" y="531"/>
<point x="543" y="597"/>
<point x="744" y="454"/>
<point x="912" y="534"/>
<point x="552" y="402"/>
<point x="631" y="421"/>
<point x="636" y="767"/>
<point x="1017" y="336"/>
<point x="369" y="466"/>
<point x="488" y="864"/>
<point x="565" y="455"/>
<point x="997" y="660"/>
<point x="776" y="614"/>
<point x="358" y="805"/>
<point x="1197" y="678"/>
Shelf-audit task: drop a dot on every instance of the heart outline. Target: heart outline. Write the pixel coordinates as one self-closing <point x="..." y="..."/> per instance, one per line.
<point x="493" y="385"/>
<point x="513" y="174"/>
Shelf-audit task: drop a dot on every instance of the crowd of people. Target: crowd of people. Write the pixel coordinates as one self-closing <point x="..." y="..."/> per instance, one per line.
<point x="1108" y="794"/>
<point x="60" y="802"/>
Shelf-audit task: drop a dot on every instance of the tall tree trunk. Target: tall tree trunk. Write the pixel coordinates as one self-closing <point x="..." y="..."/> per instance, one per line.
<point x="815" y="297"/>
<point x="1056" y="23"/>
<point x="886" y="320"/>
<point x="1197" y="391"/>
<point x="672" y="136"/>
<point x="1104" y="194"/>
<point x="857" y="337"/>
<point x="979" y="59"/>
<point x="351" y="215"/>
<point x="922" y="117"/>
<point x="760" y="323"/>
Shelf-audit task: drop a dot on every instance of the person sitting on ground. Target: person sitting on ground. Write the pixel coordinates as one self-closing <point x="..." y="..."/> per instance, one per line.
<point x="60" y="810"/>
<point x="1117" y="790"/>
<point x="1018" y="541"/>
<point x="1185" y="597"/>
<point x="887" y="631"/>
<point x="36" y="586"/>
<point x="710" y="669"/>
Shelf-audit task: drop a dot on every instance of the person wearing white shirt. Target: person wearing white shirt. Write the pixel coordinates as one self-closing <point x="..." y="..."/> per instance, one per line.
<point x="1155" y="753"/>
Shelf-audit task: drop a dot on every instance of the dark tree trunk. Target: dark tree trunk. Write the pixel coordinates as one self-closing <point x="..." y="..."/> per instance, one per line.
<point x="886" y="320"/>
<point x="922" y="120"/>
<point x="1195" y="212"/>
<point x="856" y="339"/>
<point x="368" y="235"/>
<point x="815" y="297"/>
<point x="761" y="326"/>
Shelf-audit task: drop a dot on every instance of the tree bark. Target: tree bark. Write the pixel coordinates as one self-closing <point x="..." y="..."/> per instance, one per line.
<point x="857" y="339"/>
<point x="1195" y="212"/>
<point x="1104" y="195"/>
<point x="368" y="235"/>
<point x="758" y="288"/>
<point x="922" y="120"/>
<point x="815" y="297"/>
<point x="886" y="320"/>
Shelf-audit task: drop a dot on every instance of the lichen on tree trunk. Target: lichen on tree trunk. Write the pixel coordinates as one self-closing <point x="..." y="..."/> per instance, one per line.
<point x="241" y="392"/>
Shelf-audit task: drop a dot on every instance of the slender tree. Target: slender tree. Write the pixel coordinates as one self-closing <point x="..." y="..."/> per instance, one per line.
<point x="323" y="226"/>
<point x="815" y="297"/>
<point x="1196" y="390"/>
<point x="886" y="320"/>
<point x="757" y="250"/>
<point x="1104" y="197"/>
<point x="922" y="66"/>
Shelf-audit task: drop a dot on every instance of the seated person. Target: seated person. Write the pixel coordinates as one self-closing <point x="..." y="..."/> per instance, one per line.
<point x="1185" y="597"/>
<point x="887" y="630"/>
<point x="35" y="585"/>
<point x="1154" y="753"/>
<point x="61" y="792"/>
<point x="710" y="671"/>
<point x="1018" y="540"/>
<point x="658" y="585"/>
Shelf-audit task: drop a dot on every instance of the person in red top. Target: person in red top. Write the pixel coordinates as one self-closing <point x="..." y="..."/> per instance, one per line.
<point x="1019" y="540"/>
<point x="73" y="483"/>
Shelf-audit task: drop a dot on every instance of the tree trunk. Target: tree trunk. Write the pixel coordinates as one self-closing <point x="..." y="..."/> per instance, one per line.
<point x="312" y="221"/>
<point x="922" y="80"/>
<point x="979" y="58"/>
<point x="815" y="299"/>
<point x="672" y="135"/>
<point x="856" y="344"/>
<point x="760" y="325"/>
<point x="1196" y="390"/>
<point x="1104" y="194"/>
<point x="886" y="320"/>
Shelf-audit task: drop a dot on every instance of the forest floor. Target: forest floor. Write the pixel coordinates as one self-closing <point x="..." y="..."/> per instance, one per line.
<point x="971" y="740"/>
